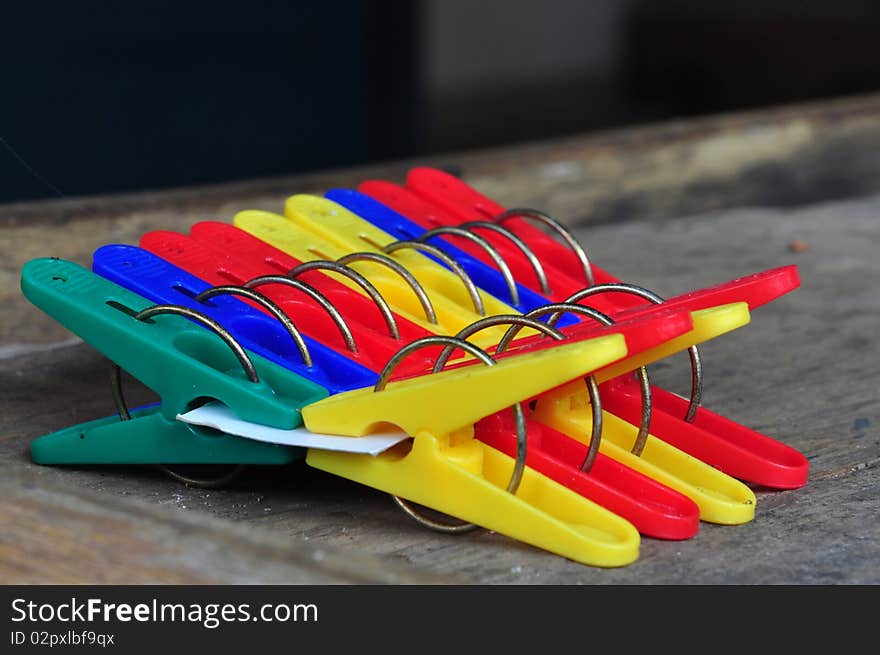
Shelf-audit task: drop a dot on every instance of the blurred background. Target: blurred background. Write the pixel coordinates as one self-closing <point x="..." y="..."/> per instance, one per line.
<point x="157" y="94"/>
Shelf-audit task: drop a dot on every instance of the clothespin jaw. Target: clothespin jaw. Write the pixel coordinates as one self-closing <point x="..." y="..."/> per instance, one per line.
<point x="735" y="449"/>
<point x="445" y="468"/>
<point x="721" y="498"/>
<point x="742" y="453"/>
<point x="183" y="362"/>
<point x="151" y="438"/>
<point x="655" y="509"/>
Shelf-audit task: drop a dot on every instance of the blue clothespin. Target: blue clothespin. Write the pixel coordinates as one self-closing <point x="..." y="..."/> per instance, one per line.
<point x="154" y="278"/>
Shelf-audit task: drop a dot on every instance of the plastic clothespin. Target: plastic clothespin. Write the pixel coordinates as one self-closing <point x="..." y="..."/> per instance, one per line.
<point x="484" y="276"/>
<point x="756" y="289"/>
<point x="654" y="509"/>
<point x="220" y="254"/>
<point x="181" y="361"/>
<point x="727" y="445"/>
<point x="452" y="311"/>
<point x="446" y="469"/>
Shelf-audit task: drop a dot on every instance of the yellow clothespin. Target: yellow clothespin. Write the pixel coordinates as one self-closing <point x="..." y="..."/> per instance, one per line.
<point x="445" y="468"/>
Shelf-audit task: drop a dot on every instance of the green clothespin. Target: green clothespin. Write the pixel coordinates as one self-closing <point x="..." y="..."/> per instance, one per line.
<point x="178" y="359"/>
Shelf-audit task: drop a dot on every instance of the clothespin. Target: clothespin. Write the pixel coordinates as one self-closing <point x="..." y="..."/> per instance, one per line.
<point x="444" y="468"/>
<point x="267" y="334"/>
<point x="178" y="359"/>
<point x="431" y="211"/>
<point x="566" y="265"/>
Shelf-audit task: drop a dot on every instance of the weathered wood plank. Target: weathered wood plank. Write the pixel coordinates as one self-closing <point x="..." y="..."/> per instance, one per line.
<point x="805" y="371"/>
<point x="56" y="532"/>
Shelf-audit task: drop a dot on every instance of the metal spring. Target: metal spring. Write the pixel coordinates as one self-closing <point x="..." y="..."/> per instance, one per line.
<point x="556" y="309"/>
<point x="694" y="354"/>
<point x="519" y="321"/>
<point x="557" y="227"/>
<point x="469" y="285"/>
<point x="270" y="306"/>
<point x="514" y="238"/>
<point x="240" y="354"/>
<point x="522" y="436"/>
<point x="357" y="278"/>
<point x="512" y="289"/>
<point x="317" y="296"/>
<point x="402" y="271"/>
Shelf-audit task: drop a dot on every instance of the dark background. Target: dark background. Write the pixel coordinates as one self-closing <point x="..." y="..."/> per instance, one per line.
<point x="101" y="98"/>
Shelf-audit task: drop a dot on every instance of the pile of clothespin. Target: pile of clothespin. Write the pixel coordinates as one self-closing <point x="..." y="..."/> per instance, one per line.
<point x="423" y="340"/>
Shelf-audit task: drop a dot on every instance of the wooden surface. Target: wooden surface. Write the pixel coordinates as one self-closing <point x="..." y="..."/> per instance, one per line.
<point x="671" y="207"/>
